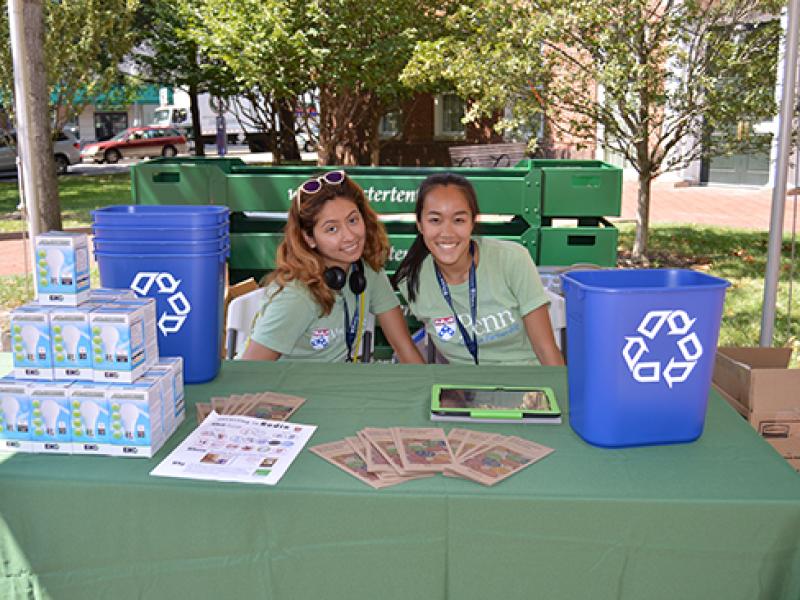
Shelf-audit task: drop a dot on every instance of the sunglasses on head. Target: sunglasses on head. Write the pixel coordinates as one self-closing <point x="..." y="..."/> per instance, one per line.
<point x="315" y="184"/>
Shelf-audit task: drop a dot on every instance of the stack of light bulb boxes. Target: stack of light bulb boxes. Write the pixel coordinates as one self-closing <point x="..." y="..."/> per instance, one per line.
<point x="87" y="376"/>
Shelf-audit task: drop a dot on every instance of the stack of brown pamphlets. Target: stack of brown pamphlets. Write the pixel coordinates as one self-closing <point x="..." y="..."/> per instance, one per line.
<point x="385" y="457"/>
<point x="265" y="405"/>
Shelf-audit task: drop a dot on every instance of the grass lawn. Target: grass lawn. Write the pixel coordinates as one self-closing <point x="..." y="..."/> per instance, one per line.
<point x="78" y="194"/>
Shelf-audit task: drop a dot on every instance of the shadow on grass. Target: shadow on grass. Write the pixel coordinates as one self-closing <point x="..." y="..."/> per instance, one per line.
<point x="728" y="253"/>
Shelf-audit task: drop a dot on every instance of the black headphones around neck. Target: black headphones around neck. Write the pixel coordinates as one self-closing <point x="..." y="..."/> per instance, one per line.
<point x="335" y="278"/>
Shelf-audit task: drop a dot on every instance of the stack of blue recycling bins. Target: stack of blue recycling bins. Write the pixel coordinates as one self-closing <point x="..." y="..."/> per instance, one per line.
<point x="176" y="255"/>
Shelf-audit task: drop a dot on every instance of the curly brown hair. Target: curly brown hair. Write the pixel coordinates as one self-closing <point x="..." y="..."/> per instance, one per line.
<point x="296" y="260"/>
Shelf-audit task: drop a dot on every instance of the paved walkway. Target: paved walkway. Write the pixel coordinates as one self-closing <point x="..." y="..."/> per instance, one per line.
<point x="736" y="207"/>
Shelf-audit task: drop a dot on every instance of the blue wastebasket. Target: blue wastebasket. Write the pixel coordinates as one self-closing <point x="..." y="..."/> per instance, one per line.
<point x="161" y="215"/>
<point x="640" y="353"/>
<point x="141" y="246"/>
<point x="188" y="289"/>
<point x="176" y="255"/>
<point x="134" y="232"/>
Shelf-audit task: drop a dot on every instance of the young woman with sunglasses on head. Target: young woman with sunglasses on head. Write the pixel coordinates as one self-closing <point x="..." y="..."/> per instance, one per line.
<point x="328" y="277"/>
<point x="481" y="300"/>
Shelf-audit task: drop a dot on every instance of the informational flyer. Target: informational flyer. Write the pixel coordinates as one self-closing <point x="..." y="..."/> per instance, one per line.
<point x="237" y="448"/>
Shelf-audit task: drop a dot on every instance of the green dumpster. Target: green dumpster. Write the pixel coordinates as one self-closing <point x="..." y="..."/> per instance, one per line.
<point x="517" y="203"/>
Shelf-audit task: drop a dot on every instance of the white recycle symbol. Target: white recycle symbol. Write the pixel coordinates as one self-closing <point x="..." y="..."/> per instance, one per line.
<point x="166" y="284"/>
<point x="676" y="371"/>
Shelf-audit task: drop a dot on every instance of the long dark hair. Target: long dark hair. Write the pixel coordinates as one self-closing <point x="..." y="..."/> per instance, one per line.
<point x="412" y="263"/>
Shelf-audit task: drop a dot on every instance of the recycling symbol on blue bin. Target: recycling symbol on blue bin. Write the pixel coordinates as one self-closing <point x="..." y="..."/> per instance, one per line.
<point x="688" y="350"/>
<point x="165" y="284"/>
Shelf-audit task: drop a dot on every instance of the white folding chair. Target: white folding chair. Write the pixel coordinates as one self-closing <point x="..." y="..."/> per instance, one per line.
<point x="241" y="312"/>
<point x="558" y="317"/>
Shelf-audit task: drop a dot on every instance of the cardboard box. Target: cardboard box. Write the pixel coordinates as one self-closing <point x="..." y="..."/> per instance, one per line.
<point x="62" y="268"/>
<point x="758" y="384"/>
<point x="30" y="336"/>
<point x="782" y="435"/>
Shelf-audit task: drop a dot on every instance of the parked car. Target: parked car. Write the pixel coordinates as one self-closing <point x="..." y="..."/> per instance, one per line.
<point x="66" y="151"/>
<point x="136" y="142"/>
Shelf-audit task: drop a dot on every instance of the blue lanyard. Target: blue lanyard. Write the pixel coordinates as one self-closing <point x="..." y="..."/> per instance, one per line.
<point x="470" y="341"/>
<point x="350" y="327"/>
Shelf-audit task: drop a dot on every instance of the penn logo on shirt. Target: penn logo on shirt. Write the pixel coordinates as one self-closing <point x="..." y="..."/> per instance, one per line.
<point x="445" y="327"/>
<point x="320" y="339"/>
<point x="492" y="326"/>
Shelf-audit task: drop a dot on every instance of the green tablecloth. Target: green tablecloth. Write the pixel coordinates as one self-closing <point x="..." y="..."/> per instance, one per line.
<point x="719" y="518"/>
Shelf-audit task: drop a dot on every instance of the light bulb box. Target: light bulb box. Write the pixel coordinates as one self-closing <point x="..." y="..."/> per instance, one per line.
<point x="175" y="363"/>
<point x="30" y="340"/>
<point x="15" y="415"/>
<point x="105" y="295"/>
<point x="91" y="418"/>
<point x="136" y="422"/>
<point x="50" y="417"/>
<point x="118" y="345"/>
<point x="165" y="375"/>
<point x="71" y="342"/>
<point x="150" y="334"/>
<point x="62" y="268"/>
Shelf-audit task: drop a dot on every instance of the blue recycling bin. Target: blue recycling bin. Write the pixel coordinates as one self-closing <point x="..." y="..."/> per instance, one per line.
<point x="188" y="289"/>
<point x="141" y="246"/>
<point x="162" y="233"/>
<point x="640" y="353"/>
<point x="176" y="255"/>
<point x="167" y="215"/>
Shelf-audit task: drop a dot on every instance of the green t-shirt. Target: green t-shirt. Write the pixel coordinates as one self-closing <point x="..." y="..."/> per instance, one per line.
<point x="289" y="321"/>
<point x="509" y="288"/>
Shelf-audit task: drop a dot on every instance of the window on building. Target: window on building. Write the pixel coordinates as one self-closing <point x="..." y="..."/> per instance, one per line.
<point x="447" y="115"/>
<point x="390" y="124"/>
<point x="109" y="124"/>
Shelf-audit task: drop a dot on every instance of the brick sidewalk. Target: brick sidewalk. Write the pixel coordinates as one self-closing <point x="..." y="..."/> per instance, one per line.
<point x="736" y="207"/>
<point x="740" y="208"/>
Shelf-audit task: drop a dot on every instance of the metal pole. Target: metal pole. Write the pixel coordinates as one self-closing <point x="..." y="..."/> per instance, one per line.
<point x="781" y="167"/>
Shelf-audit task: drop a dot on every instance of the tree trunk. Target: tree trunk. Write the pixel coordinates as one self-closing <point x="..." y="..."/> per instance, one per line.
<point x="34" y="140"/>
<point x="349" y="122"/>
<point x="326" y="152"/>
<point x="287" y="130"/>
<point x="642" y="216"/>
<point x="197" y="129"/>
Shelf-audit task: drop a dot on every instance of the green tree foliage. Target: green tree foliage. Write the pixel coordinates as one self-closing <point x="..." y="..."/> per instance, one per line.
<point x="350" y="52"/>
<point x="84" y="44"/>
<point x="84" y="41"/>
<point x="666" y="81"/>
<point x="361" y="49"/>
<point x="167" y="53"/>
<point x="259" y="50"/>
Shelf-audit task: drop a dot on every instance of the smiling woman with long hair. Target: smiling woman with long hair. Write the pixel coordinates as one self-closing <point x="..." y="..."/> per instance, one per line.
<point x="481" y="300"/>
<point x="329" y="275"/>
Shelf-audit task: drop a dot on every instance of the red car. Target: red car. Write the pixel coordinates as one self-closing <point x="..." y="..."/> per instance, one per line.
<point x="136" y="142"/>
